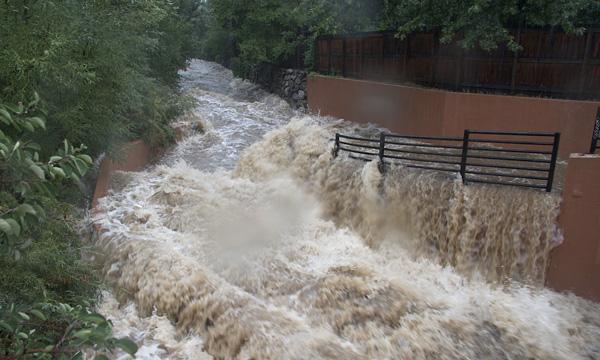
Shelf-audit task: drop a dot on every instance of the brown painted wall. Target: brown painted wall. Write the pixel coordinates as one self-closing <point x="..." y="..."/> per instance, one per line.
<point x="136" y="155"/>
<point x="575" y="265"/>
<point x="420" y="111"/>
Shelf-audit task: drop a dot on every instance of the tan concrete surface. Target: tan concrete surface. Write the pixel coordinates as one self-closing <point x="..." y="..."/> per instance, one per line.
<point x="575" y="265"/>
<point x="136" y="155"/>
<point x="420" y="111"/>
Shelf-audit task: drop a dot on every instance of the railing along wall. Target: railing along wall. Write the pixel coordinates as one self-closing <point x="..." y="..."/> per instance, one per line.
<point x="525" y="159"/>
<point x="550" y="62"/>
<point x="596" y="134"/>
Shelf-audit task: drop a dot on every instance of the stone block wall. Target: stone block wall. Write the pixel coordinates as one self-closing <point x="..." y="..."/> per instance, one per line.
<point x="289" y="84"/>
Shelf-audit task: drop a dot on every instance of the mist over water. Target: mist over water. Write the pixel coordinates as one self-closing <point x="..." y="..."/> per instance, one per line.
<point x="250" y="242"/>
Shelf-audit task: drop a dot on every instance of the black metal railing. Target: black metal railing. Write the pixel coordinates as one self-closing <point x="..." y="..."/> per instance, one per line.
<point x="596" y="134"/>
<point x="526" y="159"/>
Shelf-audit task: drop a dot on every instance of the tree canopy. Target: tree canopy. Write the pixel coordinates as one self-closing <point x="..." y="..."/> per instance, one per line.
<point x="243" y="33"/>
<point x="486" y="23"/>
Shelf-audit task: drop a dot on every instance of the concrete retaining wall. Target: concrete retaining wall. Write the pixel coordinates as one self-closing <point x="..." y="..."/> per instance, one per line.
<point x="135" y="156"/>
<point x="575" y="265"/>
<point x="420" y="111"/>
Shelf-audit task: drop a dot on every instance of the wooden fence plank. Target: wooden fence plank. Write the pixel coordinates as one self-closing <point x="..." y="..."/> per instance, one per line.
<point x="550" y="62"/>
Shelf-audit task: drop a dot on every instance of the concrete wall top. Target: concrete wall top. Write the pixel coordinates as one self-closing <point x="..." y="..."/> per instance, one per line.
<point x="420" y="111"/>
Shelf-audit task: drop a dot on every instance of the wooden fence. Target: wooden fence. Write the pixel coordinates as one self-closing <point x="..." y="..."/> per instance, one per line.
<point x="551" y="63"/>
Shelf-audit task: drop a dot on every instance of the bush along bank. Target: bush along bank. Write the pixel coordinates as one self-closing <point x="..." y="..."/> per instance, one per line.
<point x="106" y="74"/>
<point x="46" y="290"/>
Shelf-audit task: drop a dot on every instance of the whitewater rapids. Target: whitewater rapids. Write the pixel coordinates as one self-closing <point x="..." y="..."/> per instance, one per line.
<point x="248" y="241"/>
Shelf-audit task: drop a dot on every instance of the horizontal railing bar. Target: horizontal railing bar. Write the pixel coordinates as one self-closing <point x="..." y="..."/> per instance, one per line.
<point x="430" y="168"/>
<point x="423" y="152"/>
<point x="424" y="137"/>
<point x="425" y="145"/>
<point x="479" y="148"/>
<point x="358" y="138"/>
<point x="358" y="145"/>
<point x="511" y="142"/>
<point x="516" y="133"/>
<point x="508" y="159"/>
<point x="387" y="163"/>
<point x="508" y="167"/>
<point x="421" y="160"/>
<point x="507" y="175"/>
<point x="359" y="158"/>
<point x="506" y="183"/>
<point x="357" y="151"/>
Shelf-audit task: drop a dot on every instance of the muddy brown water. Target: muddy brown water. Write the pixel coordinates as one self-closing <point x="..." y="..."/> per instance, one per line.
<point x="248" y="241"/>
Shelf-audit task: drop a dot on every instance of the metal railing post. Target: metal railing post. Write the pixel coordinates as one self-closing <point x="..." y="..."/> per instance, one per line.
<point x="381" y="164"/>
<point x="553" y="162"/>
<point x="336" y="147"/>
<point x="463" y="159"/>
<point x="596" y="133"/>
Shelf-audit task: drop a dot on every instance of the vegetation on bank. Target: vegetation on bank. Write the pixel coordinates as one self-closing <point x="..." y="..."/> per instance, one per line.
<point x="80" y="77"/>
<point x="73" y="72"/>
<point x="241" y="34"/>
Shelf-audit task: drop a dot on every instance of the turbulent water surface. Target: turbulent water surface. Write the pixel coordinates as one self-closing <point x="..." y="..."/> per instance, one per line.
<point x="249" y="241"/>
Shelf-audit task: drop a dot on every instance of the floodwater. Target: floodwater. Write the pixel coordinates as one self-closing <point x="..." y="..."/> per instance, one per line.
<point x="249" y="241"/>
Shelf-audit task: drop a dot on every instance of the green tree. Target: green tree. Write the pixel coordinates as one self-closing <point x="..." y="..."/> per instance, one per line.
<point x="27" y="175"/>
<point x="242" y="34"/>
<point x="105" y="69"/>
<point x="486" y="23"/>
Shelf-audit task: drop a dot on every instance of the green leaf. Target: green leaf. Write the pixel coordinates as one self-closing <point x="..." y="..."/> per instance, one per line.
<point x="82" y="334"/>
<point x="86" y="158"/>
<point x="127" y="345"/>
<point x="22" y="335"/>
<point x="58" y="171"/>
<point x="39" y="210"/>
<point x="93" y="318"/>
<point x="36" y="99"/>
<point x="24" y="316"/>
<point x="80" y="166"/>
<point x="28" y="126"/>
<point x="6" y="326"/>
<point x="5" y="227"/>
<point x="38" y="171"/>
<point x="38" y="314"/>
<point x="33" y="146"/>
<point x="55" y="158"/>
<point x="37" y="121"/>
<point x="5" y="116"/>
<point x="14" y="226"/>
<point x="101" y="357"/>
<point x="25" y="209"/>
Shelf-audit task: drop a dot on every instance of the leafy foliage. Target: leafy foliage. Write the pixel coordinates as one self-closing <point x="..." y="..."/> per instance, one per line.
<point x="485" y="23"/>
<point x="50" y="268"/>
<point x="105" y="72"/>
<point x="104" y="68"/>
<point x="24" y="332"/>
<point x="26" y="175"/>
<point x="242" y="34"/>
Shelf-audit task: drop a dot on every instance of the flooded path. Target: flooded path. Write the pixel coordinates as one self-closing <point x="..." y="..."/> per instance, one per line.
<point x="248" y="241"/>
